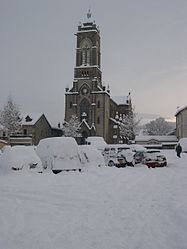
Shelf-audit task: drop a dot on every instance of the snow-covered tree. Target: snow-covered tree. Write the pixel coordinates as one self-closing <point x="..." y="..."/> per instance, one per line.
<point x="10" y="117"/>
<point x="72" y="127"/>
<point x="128" y="124"/>
<point x="158" y="127"/>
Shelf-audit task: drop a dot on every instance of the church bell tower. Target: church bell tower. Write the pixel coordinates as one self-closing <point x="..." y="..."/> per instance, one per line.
<point x="88" y="55"/>
<point x="88" y="99"/>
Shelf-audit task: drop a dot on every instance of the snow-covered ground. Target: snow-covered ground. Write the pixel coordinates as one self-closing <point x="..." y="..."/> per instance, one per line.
<point x="100" y="208"/>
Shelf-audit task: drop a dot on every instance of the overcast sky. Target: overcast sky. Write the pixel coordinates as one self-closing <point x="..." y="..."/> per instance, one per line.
<point x="143" y="46"/>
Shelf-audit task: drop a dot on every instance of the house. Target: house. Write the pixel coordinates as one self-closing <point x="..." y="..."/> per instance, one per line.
<point x="37" y="126"/>
<point x="155" y="142"/>
<point x="181" y="122"/>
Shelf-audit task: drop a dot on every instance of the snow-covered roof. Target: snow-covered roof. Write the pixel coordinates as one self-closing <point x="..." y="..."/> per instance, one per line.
<point x="121" y="100"/>
<point x="158" y="138"/>
<point x="179" y="109"/>
<point x="88" y="66"/>
<point x="89" y="127"/>
<point x="114" y="120"/>
<point x="31" y="118"/>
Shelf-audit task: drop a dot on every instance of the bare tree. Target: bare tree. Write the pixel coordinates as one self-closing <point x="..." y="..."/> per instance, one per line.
<point x="158" y="127"/>
<point x="10" y="117"/>
<point x="72" y="127"/>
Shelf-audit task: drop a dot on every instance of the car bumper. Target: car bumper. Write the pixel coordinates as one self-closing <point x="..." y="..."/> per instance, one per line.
<point x="155" y="164"/>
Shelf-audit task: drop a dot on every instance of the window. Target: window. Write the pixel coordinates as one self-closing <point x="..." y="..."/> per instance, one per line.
<point x="70" y="104"/>
<point x="83" y="57"/>
<point x="84" y="110"/>
<point x="25" y="131"/>
<point x="85" y="46"/>
<point x="98" y="120"/>
<point x="98" y="104"/>
<point x="88" y="57"/>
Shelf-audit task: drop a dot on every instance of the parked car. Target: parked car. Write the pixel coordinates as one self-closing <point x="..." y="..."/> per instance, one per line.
<point x="59" y="154"/>
<point x="97" y="142"/>
<point x="118" y="155"/>
<point x="115" y="160"/>
<point x="139" y="153"/>
<point x="139" y="157"/>
<point x="128" y="155"/>
<point x="21" y="157"/>
<point x="154" y="158"/>
<point x="92" y="155"/>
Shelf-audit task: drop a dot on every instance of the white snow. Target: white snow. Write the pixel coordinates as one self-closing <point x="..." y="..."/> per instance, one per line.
<point x="121" y="100"/>
<point x="105" y="208"/>
<point x="170" y="138"/>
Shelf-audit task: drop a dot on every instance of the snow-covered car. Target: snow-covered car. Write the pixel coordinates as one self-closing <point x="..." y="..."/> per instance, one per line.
<point x="119" y="155"/>
<point x="115" y="160"/>
<point x="92" y="155"/>
<point x="97" y="142"/>
<point x="59" y="154"/>
<point x="21" y="157"/>
<point x="154" y="158"/>
<point x="139" y="153"/>
<point x="139" y="157"/>
<point x="128" y="155"/>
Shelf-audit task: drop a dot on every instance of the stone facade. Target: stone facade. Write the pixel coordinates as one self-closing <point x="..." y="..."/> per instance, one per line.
<point x="88" y="99"/>
<point x="181" y="122"/>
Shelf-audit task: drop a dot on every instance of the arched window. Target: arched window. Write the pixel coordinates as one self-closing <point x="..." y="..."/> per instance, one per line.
<point x="84" y="110"/>
<point x="85" y="47"/>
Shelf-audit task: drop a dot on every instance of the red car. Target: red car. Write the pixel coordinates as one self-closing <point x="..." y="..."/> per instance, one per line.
<point x="154" y="158"/>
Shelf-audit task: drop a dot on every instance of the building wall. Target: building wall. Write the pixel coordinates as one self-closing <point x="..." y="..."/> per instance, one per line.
<point x="181" y="124"/>
<point x="41" y="129"/>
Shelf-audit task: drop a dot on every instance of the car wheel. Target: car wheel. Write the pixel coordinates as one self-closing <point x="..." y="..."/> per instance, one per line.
<point x="111" y="164"/>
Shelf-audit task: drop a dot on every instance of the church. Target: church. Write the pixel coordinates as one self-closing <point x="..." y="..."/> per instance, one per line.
<point x="88" y="98"/>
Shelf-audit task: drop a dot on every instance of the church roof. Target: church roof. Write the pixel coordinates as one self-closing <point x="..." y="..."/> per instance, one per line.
<point x="121" y="100"/>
